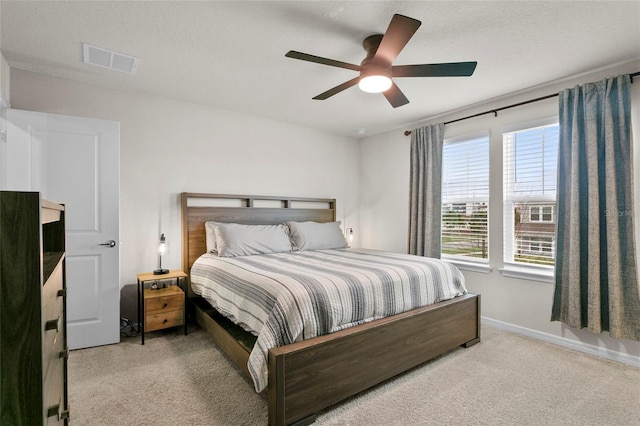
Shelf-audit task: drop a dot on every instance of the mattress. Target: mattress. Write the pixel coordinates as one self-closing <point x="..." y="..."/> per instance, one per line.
<point x="284" y="298"/>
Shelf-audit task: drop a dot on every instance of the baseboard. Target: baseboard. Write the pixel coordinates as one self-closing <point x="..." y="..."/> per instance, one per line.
<point x="567" y="343"/>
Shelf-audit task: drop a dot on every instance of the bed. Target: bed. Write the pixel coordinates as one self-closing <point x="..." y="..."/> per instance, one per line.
<point x="308" y="376"/>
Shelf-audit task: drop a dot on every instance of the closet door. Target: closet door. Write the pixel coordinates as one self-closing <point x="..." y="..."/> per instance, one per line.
<point x="76" y="161"/>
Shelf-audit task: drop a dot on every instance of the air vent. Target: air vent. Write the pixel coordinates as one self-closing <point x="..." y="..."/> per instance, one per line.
<point x="106" y="58"/>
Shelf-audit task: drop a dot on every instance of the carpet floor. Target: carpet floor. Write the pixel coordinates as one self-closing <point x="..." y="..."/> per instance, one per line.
<point x="507" y="379"/>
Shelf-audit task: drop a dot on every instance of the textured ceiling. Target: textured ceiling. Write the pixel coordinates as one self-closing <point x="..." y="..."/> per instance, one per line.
<point x="230" y="55"/>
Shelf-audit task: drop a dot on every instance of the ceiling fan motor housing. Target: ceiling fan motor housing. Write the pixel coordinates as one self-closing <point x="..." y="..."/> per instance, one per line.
<point x="369" y="67"/>
<point x="375" y="69"/>
<point x="371" y="45"/>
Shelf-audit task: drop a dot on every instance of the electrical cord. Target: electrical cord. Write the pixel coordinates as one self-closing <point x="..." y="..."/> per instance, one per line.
<point x="128" y="328"/>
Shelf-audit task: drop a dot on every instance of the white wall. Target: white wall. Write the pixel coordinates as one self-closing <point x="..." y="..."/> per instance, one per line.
<point x="4" y="79"/>
<point x="168" y="147"/>
<point x="5" y="73"/>
<point x="520" y="304"/>
<point x="5" y="76"/>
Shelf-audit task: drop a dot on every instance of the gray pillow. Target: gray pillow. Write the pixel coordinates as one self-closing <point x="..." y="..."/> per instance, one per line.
<point x="316" y="235"/>
<point x="234" y="239"/>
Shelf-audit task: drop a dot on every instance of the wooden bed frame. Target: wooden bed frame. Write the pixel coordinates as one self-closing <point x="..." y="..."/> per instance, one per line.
<point x="309" y="376"/>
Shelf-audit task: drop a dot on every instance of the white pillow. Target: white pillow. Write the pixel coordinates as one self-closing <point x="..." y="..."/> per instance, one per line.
<point x="234" y="239"/>
<point x="210" y="232"/>
<point x="316" y="235"/>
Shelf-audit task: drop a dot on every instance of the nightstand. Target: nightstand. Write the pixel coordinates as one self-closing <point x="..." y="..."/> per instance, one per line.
<point x="162" y="307"/>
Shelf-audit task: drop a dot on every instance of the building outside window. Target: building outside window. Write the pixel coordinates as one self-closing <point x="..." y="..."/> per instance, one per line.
<point x="530" y="166"/>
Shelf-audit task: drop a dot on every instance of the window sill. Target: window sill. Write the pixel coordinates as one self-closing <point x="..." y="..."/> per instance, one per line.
<point x="528" y="273"/>
<point x="469" y="266"/>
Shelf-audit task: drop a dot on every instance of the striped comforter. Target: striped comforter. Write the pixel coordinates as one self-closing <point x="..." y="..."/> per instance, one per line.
<point x="288" y="297"/>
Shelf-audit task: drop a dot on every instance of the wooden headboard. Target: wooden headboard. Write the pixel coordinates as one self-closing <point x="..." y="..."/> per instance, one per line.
<point x="197" y="208"/>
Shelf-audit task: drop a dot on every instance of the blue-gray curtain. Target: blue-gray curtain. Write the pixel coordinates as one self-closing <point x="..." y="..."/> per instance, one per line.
<point x="596" y="281"/>
<point x="425" y="191"/>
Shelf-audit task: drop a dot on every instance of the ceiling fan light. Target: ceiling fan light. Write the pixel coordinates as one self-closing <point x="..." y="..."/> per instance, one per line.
<point x="374" y="83"/>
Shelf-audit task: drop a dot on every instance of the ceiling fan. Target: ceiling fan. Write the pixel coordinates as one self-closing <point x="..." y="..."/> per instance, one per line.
<point x="376" y="70"/>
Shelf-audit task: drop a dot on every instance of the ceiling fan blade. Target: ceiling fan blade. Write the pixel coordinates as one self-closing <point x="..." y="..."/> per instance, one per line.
<point x="319" y="60"/>
<point x="453" y="69"/>
<point x="400" y="30"/>
<point x="395" y="96"/>
<point x="337" y="89"/>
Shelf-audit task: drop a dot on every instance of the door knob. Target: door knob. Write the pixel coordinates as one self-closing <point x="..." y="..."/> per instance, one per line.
<point x="109" y="243"/>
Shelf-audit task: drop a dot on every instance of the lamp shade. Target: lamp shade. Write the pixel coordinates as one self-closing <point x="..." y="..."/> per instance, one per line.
<point x="375" y="83"/>
<point x="162" y="245"/>
<point x="375" y="78"/>
<point x="350" y="234"/>
<point x="162" y="250"/>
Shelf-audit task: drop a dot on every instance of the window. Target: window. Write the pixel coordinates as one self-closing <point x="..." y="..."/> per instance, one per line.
<point x="530" y="162"/>
<point x="465" y="199"/>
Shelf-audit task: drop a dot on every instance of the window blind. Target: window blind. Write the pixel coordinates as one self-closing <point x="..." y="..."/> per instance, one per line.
<point x="530" y="166"/>
<point x="465" y="198"/>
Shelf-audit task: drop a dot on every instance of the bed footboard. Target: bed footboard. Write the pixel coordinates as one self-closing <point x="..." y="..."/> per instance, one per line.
<point x="309" y="376"/>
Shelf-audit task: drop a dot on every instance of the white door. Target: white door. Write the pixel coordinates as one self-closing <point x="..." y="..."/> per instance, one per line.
<point x="76" y="161"/>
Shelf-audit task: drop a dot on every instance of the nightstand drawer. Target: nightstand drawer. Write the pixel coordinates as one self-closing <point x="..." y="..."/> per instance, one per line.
<point x="164" y="299"/>
<point x="163" y="320"/>
<point x="164" y="303"/>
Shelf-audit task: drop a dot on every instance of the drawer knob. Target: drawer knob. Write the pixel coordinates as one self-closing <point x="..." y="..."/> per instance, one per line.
<point x="165" y="305"/>
<point x="53" y="410"/>
<point x="165" y="321"/>
<point x="52" y="324"/>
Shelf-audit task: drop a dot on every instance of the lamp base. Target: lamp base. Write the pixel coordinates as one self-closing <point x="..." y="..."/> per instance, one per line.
<point x="160" y="271"/>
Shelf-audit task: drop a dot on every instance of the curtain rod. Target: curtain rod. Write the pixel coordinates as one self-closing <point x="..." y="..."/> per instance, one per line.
<point x="495" y="111"/>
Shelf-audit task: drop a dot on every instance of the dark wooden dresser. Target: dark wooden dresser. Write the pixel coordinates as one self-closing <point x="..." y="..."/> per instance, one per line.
<point x="33" y="337"/>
